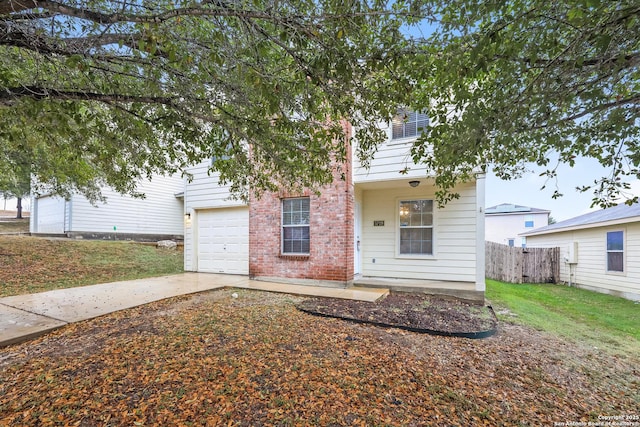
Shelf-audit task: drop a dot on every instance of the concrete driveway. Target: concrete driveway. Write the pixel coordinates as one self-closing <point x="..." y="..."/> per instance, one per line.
<point x="26" y="316"/>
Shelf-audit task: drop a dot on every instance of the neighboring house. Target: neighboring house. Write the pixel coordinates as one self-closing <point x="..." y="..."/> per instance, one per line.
<point x="599" y="251"/>
<point x="379" y="227"/>
<point x="158" y="216"/>
<point x="504" y="222"/>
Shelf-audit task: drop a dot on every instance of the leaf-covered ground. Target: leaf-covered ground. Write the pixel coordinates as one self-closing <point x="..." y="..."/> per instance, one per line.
<point x="35" y="264"/>
<point x="211" y="359"/>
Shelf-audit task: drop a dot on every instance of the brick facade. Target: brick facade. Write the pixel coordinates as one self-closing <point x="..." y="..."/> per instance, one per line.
<point x="331" y="225"/>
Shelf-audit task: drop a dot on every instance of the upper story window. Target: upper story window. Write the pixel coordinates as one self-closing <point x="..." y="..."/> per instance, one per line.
<point x="615" y="251"/>
<point x="295" y="226"/>
<point x="528" y="221"/>
<point x="226" y="155"/>
<point x="416" y="227"/>
<point x="407" y="123"/>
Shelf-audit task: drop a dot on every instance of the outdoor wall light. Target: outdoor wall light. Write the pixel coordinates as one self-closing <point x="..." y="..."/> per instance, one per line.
<point x="414" y="184"/>
<point x="187" y="216"/>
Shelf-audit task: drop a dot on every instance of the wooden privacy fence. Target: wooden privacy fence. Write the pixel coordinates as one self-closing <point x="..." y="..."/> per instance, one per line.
<point x="522" y="265"/>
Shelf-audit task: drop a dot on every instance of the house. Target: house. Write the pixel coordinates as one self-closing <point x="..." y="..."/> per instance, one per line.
<point x="378" y="227"/>
<point x="599" y="251"/>
<point x="504" y="222"/>
<point x="156" y="217"/>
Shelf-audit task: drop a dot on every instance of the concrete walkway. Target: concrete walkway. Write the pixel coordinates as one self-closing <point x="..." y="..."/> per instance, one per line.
<point x="23" y="317"/>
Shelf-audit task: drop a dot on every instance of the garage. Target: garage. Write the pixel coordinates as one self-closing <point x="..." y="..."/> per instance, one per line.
<point x="223" y="240"/>
<point x="49" y="213"/>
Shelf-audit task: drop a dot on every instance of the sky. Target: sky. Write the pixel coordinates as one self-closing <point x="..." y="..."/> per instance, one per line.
<point x="527" y="191"/>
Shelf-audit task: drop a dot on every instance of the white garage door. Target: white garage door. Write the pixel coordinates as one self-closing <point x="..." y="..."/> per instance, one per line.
<point x="223" y="241"/>
<point x="50" y="215"/>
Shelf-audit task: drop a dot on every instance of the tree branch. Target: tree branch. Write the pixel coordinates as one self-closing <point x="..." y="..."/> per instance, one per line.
<point x="9" y="95"/>
<point x="629" y="59"/>
<point x="13" y="6"/>
<point x="635" y="99"/>
<point x="204" y="9"/>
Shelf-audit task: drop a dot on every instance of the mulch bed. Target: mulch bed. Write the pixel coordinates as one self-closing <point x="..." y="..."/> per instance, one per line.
<point x="412" y="311"/>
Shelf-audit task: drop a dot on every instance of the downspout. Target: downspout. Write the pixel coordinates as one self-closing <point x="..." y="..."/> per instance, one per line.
<point x="480" y="248"/>
<point x="68" y="206"/>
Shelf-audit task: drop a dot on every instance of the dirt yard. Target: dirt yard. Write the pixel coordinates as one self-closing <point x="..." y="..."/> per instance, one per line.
<point x="211" y="359"/>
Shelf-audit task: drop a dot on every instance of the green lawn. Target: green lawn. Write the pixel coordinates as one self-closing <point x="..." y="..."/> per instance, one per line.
<point x="604" y="321"/>
<point x="14" y="225"/>
<point x="33" y="264"/>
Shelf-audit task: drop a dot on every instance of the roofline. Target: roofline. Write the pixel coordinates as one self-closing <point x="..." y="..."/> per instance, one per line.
<point x="541" y="211"/>
<point x="583" y="226"/>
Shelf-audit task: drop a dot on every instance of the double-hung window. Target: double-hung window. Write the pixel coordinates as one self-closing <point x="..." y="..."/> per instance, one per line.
<point x="295" y="226"/>
<point x="615" y="251"/>
<point x="408" y="123"/>
<point x="416" y="227"/>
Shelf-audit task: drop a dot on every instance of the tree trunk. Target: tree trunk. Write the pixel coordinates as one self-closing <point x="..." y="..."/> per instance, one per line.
<point x="19" y="208"/>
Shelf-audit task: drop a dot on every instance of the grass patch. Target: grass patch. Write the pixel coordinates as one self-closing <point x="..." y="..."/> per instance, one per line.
<point x="600" y="320"/>
<point x="31" y="264"/>
<point x="14" y="225"/>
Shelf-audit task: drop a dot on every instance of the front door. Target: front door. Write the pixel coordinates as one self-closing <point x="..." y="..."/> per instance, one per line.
<point x="357" y="232"/>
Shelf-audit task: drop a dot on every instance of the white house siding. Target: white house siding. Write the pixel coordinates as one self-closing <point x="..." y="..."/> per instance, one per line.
<point x="455" y="225"/>
<point x="391" y="158"/>
<point x="202" y="193"/>
<point x="160" y="212"/>
<point x="591" y="270"/>
<point x="500" y="228"/>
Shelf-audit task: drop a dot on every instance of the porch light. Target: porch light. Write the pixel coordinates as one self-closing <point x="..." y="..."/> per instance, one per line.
<point x="187" y="216"/>
<point x="414" y="184"/>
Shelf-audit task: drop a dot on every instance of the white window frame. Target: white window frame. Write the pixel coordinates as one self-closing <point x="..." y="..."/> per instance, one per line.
<point x="283" y="226"/>
<point x="622" y="251"/>
<point x="400" y="227"/>
<point x="529" y="218"/>
<point x="402" y="117"/>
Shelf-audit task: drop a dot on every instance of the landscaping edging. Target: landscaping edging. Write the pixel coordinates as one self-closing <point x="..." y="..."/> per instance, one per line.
<point x="470" y="335"/>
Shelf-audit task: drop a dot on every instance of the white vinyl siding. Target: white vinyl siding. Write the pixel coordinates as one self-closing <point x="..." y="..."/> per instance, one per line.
<point x="501" y="228"/>
<point x="160" y="212"/>
<point x="591" y="269"/>
<point x="203" y="192"/>
<point x="454" y="250"/>
<point x="392" y="161"/>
